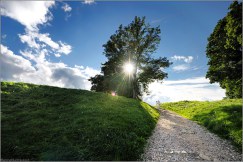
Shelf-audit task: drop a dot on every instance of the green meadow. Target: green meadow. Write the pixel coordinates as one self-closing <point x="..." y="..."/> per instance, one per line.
<point x="50" y="123"/>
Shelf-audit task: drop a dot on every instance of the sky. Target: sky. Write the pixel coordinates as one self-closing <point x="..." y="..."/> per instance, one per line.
<point x="60" y="43"/>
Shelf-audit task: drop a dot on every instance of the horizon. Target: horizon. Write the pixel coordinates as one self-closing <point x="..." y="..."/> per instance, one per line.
<point x="60" y="43"/>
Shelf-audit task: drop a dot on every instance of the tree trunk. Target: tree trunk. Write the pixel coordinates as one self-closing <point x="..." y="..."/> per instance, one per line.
<point x="134" y="91"/>
<point x="134" y="83"/>
<point x="134" y="94"/>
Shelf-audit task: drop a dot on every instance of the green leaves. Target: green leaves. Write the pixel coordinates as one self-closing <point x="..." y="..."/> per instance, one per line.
<point x="134" y="43"/>
<point x="234" y="26"/>
<point x="224" y="51"/>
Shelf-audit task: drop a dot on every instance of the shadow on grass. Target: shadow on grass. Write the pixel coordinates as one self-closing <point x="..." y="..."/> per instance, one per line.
<point x="225" y="121"/>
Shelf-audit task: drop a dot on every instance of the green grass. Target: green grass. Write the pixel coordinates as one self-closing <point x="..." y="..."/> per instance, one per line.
<point x="50" y="123"/>
<point x="223" y="118"/>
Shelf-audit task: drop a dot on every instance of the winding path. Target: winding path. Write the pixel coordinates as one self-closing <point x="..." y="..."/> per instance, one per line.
<point x="178" y="139"/>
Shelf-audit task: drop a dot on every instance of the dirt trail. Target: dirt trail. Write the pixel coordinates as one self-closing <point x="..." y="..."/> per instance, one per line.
<point x="178" y="139"/>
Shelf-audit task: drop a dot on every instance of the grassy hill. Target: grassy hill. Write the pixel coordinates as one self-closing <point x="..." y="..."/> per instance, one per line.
<point x="50" y="123"/>
<point x="221" y="117"/>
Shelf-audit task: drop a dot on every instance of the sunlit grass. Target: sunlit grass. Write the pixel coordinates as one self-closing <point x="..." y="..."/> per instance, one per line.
<point x="50" y="123"/>
<point x="221" y="117"/>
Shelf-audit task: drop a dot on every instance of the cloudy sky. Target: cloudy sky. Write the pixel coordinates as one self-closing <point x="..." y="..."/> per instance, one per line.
<point x="60" y="43"/>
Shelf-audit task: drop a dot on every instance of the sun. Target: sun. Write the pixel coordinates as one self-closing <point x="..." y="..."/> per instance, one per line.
<point x="128" y="68"/>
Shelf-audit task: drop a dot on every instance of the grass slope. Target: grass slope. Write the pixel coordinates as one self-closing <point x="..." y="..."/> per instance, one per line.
<point x="50" y="123"/>
<point x="221" y="117"/>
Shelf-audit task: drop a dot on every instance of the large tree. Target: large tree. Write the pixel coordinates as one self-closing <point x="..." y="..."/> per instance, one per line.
<point x="224" y="51"/>
<point x="131" y="47"/>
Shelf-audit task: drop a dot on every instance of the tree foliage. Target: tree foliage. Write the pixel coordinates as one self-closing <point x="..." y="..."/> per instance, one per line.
<point x="224" y="51"/>
<point x="134" y="43"/>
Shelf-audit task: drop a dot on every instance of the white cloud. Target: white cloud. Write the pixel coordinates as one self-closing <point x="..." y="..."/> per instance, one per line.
<point x="4" y="36"/>
<point x="66" y="7"/>
<point x="30" y="40"/>
<point x="188" y="89"/>
<point x="28" y="13"/>
<point x="17" y="68"/>
<point x="46" y="39"/>
<point x="77" y="66"/>
<point x="67" y="17"/>
<point x="39" y="41"/>
<point x="12" y="65"/>
<point x="31" y="14"/>
<point x="195" y="68"/>
<point x="64" y="48"/>
<point x="187" y="59"/>
<point x="57" y="54"/>
<point x="182" y="67"/>
<point x="197" y="80"/>
<point x="88" y="1"/>
<point x="31" y="64"/>
<point x="156" y="21"/>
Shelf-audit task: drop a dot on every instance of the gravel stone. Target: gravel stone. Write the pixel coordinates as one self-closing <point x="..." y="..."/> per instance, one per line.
<point x="178" y="139"/>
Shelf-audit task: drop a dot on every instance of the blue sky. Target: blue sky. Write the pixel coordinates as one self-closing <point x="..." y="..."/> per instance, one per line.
<point x="60" y="43"/>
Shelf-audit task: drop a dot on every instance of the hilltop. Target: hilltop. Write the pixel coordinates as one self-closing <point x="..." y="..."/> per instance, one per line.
<point x="50" y="123"/>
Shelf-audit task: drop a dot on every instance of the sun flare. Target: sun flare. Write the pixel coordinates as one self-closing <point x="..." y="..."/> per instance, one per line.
<point x="128" y="68"/>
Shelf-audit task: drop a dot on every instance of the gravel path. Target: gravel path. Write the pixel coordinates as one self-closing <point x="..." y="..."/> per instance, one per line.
<point x="178" y="139"/>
